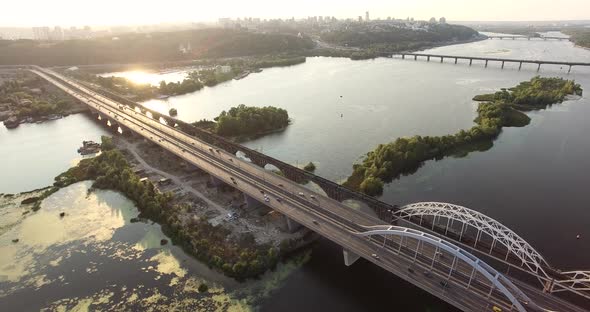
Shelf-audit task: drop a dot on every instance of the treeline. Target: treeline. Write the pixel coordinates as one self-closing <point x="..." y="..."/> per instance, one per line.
<point x="392" y="38"/>
<point x="155" y="47"/>
<point x="279" y="62"/>
<point x="405" y="155"/>
<point x="248" y="120"/>
<point x="241" y="258"/>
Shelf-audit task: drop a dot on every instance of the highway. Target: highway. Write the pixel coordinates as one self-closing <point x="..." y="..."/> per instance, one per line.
<point x="319" y="213"/>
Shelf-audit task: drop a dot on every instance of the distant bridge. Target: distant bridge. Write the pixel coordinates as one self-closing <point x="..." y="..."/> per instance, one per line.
<point x="502" y="37"/>
<point x="442" y="57"/>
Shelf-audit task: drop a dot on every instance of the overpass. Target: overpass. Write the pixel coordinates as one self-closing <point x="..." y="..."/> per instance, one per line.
<point x="442" y="57"/>
<point x="432" y="262"/>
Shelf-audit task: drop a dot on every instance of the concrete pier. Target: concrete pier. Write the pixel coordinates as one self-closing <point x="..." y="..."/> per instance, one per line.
<point x="349" y="257"/>
<point x="292" y="225"/>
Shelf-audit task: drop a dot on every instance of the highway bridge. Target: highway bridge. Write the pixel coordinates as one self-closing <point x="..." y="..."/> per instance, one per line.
<point x="456" y="58"/>
<point x="452" y="252"/>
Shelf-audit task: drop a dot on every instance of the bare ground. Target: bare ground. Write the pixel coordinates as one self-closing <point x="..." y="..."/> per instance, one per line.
<point x="223" y="205"/>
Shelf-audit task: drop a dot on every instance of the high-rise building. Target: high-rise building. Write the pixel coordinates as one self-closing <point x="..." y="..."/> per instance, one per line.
<point x="442" y="20"/>
<point x="360" y="18"/>
<point x="367" y="16"/>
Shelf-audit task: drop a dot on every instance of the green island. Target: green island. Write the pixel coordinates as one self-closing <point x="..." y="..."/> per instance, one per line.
<point x="241" y="258"/>
<point x="244" y="121"/>
<point x="28" y="98"/>
<point x="497" y="110"/>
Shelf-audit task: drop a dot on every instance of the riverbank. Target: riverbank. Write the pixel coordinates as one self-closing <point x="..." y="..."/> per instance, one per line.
<point x="497" y="110"/>
<point x="25" y="98"/>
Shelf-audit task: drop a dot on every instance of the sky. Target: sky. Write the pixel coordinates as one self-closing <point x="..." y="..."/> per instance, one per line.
<point x="26" y="13"/>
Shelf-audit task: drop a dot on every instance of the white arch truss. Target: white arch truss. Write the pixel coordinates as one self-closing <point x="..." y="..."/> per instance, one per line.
<point x="497" y="279"/>
<point x="517" y="246"/>
<point x="577" y="280"/>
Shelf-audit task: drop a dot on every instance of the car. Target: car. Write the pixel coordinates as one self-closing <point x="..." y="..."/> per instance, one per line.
<point x="211" y="150"/>
<point x="312" y="196"/>
<point x="217" y="151"/>
<point x="231" y="160"/>
<point x="315" y="222"/>
<point x="301" y="194"/>
<point x="375" y="256"/>
<point x="444" y="284"/>
<point x="496" y="309"/>
<point x="261" y="191"/>
<point x="427" y="273"/>
<point x="279" y="199"/>
<point x="281" y="185"/>
<point x="234" y="181"/>
<point x="410" y="270"/>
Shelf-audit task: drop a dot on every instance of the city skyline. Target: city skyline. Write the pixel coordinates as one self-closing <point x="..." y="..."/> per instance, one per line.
<point x="68" y="13"/>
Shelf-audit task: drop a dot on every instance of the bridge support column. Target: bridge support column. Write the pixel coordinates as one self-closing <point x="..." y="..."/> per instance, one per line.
<point x="570" y="69"/>
<point x="415" y="57"/>
<point x="251" y="202"/>
<point x="520" y="66"/>
<point x="502" y="64"/>
<point x="428" y="58"/>
<point x="455" y="60"/>
<point x="441" y="59"/>
<point x="486" y="63"/>
<point x="215" y="181"/>
<point x="403" y="56"/>
<point x="470" y="62"/>
<point x="349" y="257"/>
<point x="539" y="67"/>
<point x="292" y="226"/>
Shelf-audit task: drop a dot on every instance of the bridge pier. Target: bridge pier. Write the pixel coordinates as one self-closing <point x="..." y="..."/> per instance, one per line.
<point x="486" y="63"/>
<point x="539" y="67"/>
<point x="470" y="62"/>
<point x="415" y="57"/>
<point x="428" y="58"/>
<point x="403" y="56"/>
<point x="455" y="60"/>
<point x="502" y="64"/>
<point x="570" y="69"/>
<point x="251" y="202"/>
<point x="292" y="226"/>
<point x="441" y="59"/>
<point x="349" y="257"/>
<point x="215" y="181"/>
<point x="520" y="66"/>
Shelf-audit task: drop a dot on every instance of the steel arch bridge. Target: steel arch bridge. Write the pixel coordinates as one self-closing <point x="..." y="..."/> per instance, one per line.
<point x="531" y="260"/>
<point x="496" y="279"/>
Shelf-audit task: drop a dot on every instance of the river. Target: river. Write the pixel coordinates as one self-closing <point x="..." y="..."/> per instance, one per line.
<point x="534" y="179"/>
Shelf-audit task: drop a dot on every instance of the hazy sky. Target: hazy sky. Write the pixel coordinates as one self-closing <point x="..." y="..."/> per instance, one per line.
<point x="109" y="12"/>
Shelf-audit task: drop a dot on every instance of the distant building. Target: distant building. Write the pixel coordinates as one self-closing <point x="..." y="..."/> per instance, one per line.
<point x="432" y="20"/>
<point x="41" y="33"/>
<point x="367" y="16"/>
<point x="360" y="18"/>
<point x="442" y="20"/>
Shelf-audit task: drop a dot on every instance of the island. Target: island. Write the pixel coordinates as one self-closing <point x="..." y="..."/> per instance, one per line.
<point x="247" y="121"/>
<point x="501" y="109"/>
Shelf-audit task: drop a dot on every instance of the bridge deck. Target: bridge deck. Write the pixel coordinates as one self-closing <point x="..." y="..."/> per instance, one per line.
<point x="495" y="59"/>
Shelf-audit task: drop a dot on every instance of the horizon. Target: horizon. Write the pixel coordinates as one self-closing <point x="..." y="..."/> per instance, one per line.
<point x="134" y="13"/>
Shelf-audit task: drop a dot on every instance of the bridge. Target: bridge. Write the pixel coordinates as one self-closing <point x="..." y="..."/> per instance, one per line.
<point x="456" y="58"/>
<point x="514" y="37"/>
<point x="452" y="252"/>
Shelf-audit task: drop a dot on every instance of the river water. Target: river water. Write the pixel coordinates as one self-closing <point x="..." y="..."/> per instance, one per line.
<point x="534" y="179"/>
